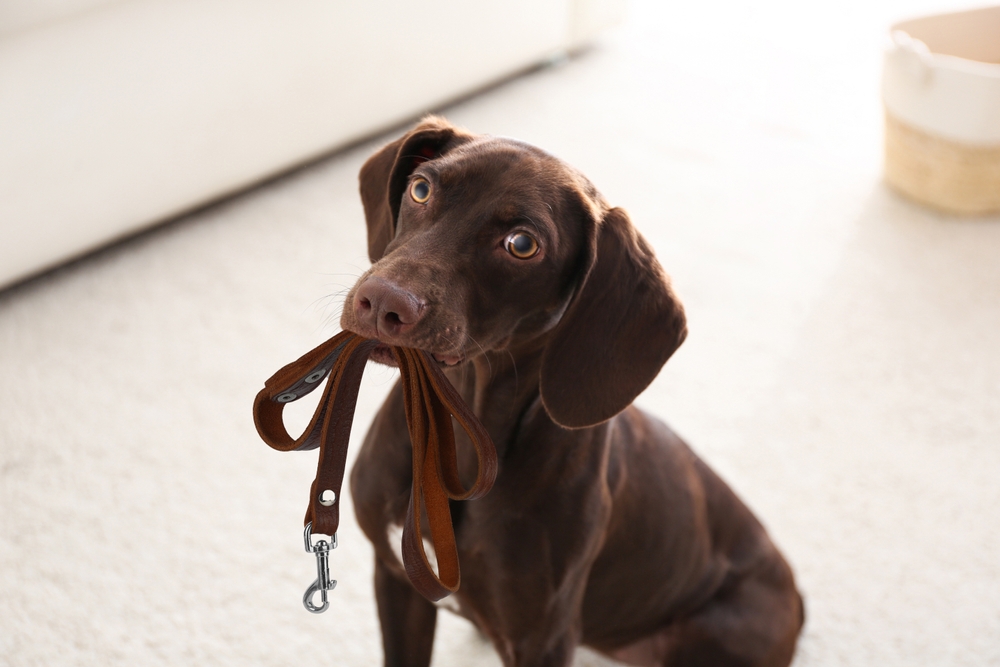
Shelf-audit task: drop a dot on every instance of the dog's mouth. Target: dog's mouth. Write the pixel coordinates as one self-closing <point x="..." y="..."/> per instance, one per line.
<point x="382" y="354"/>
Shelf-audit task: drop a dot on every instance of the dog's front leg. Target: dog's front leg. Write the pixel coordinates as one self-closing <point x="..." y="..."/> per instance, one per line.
<point x="407" y="619"/>
<point x="528" y="598"/>
<point x="537" y="631"/>
<point x="557" y="653"/>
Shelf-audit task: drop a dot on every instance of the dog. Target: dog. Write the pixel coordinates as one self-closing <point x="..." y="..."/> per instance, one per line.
<point x="549" y="313"/>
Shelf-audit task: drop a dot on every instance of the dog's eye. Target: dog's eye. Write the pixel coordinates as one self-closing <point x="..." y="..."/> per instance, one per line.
<point x="521" y="245"/>
<point x="420" y="190"/>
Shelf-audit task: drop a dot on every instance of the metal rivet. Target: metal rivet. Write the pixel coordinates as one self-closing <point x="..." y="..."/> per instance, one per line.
<point x="315" y="376"/>
<point x="327" y="498"/>
<point x="287" y="397"/>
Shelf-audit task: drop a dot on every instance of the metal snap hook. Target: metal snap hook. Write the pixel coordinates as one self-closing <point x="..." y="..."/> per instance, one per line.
<point x="310" y="592"/>
<point x="323" y="582"/>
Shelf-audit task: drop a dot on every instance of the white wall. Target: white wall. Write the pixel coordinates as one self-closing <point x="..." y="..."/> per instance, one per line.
<point x="117" y="115"/>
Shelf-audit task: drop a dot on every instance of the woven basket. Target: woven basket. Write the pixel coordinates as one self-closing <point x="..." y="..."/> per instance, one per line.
<point x="941" y="88"/>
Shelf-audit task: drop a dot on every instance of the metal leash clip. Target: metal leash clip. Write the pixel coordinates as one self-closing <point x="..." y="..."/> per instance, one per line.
<point x="323" y="582"/>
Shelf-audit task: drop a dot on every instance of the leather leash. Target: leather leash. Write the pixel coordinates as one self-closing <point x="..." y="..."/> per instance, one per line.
<point x="431" y="402"/>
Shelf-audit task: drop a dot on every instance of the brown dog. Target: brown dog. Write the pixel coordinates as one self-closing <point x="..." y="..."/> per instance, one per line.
<point x="552" y="314"/>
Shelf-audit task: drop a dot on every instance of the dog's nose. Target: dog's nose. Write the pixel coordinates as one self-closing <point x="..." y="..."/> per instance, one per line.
<point x="386" y="308"/>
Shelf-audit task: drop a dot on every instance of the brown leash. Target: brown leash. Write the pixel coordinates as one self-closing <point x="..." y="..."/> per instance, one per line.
<point x="430" y="402"/>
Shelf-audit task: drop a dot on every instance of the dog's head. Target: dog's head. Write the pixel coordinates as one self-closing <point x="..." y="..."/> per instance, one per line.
<point x="481" y="243"/>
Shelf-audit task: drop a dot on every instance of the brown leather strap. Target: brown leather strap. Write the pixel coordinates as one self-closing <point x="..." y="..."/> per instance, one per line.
<point x="431" y="402"/>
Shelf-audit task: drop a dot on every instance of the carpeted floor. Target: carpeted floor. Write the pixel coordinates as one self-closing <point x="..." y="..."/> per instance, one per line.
<point x="842" y="370"/>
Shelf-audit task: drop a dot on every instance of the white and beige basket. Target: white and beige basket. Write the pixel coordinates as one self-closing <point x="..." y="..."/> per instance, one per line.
<point x="941" y="89"/>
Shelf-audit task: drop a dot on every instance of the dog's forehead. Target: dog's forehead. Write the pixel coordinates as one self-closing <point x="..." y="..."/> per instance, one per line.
<point x="503" y="162"/>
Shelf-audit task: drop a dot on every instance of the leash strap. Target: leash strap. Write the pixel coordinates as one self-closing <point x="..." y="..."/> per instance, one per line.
<point x="431" y="402"/>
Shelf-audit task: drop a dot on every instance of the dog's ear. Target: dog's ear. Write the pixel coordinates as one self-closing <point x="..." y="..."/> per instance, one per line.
<point x="383" y="177"/>
<point x="620" y="328"/>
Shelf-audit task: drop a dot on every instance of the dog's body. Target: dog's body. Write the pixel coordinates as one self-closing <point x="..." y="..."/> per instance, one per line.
<point x="603" y="528"/>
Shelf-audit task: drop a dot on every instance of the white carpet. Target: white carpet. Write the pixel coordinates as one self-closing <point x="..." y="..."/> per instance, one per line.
<point x="842" y="371"/>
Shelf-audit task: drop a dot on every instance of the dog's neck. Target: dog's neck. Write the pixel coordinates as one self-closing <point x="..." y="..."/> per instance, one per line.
<point x="500" y="387"/>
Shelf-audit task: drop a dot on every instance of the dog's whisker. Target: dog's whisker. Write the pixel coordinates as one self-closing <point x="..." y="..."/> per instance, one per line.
<point x="449" y="340"/>
<point x="327" y="299"/>
<point x="534" y="224"/>
<point x="483" y="350"/>
<point x="513" y="364"/>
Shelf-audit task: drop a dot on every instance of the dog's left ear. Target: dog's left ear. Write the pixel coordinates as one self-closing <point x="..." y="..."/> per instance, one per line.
<point x="383" y="177"/>
<point x="621" y="327"/>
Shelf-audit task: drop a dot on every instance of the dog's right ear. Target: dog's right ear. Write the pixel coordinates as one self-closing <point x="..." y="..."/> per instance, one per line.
<point x="383" y="177"/>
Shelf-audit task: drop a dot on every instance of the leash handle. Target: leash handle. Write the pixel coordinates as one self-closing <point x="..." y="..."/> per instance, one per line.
<point x="431" y="402"/>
